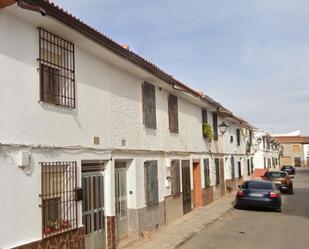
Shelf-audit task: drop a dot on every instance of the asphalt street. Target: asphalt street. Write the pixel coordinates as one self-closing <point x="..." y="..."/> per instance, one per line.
<point x="260" y="229"/>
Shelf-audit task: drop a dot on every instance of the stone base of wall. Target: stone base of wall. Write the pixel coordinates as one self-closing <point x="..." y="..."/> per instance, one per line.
<point x="111" y="232"/>
<point x="231" y="185"/>
<point x="73" y="239"/>
<point x="207" y="196"/>
<point x="145" y="219"/>
<point x="239" y="181"/>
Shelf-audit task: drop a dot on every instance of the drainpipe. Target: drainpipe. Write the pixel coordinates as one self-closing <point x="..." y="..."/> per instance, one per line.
<point x="27" y="6"/>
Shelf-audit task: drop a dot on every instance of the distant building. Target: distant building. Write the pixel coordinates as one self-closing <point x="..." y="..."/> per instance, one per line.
<point x="294" y="150"/>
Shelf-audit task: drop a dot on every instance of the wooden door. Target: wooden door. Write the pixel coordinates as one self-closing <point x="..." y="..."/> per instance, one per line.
<point x="186" y="186"/>
<point x="197" y="186"/>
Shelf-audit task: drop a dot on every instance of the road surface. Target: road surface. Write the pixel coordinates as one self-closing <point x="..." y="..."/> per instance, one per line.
<point x="243" y="229"/>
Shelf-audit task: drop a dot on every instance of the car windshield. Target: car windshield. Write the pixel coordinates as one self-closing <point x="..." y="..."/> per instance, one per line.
<point x="276" y="174"/>
<point x="258" y="185"/>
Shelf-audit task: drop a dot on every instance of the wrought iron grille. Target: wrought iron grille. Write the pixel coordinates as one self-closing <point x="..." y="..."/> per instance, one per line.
<point x="57" y="70"/>
<point x="58" y="197"/>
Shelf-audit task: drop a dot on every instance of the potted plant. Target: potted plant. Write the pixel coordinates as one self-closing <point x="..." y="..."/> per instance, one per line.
<point x="207" y="132"/>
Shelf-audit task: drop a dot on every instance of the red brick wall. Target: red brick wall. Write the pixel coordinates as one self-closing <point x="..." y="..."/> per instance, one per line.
<point x="74" y="239"/>
<point x="111" y="232"/>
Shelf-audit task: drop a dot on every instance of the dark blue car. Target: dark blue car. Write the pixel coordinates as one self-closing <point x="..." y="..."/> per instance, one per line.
<point x="258" y="194"/>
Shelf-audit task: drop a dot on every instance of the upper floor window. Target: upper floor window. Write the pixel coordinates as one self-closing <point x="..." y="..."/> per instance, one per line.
<point x="204" y="116"/>
<point x="149" y="105"/>
<point x="238" y="137"/>
<point x="173" y="113"/>
<point x="57" y="70"/>
<point x="215" y="125"/>
<point x="296" y="147"/>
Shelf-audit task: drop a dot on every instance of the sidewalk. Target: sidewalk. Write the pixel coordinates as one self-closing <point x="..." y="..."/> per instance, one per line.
<point x="181" y="230"/>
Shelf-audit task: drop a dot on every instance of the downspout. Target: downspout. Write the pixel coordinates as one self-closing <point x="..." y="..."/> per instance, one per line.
<point x="27" y="6"/>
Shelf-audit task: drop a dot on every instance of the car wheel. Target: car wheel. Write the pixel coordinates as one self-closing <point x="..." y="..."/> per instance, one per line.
<point x="291" y="191"/>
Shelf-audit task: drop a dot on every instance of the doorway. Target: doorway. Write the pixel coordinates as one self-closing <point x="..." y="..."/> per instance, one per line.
<point x="186" y="186"/>
<point x="93" y="209"/>
<point x="197" y="186"/>
<point x="121" y="199"/>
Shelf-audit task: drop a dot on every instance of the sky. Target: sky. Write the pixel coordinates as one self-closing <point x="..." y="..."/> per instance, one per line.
<point x="252" y="56"/>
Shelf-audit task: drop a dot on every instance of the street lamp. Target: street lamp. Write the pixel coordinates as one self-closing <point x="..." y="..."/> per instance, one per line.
<point x="222" y="128"/>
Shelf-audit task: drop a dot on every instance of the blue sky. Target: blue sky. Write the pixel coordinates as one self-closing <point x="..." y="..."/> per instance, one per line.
<point x="252" y="56"/>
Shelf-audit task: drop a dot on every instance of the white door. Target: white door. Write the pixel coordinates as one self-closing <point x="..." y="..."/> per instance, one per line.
<point x="93" y="209"/>
<point x="121" y="199"/>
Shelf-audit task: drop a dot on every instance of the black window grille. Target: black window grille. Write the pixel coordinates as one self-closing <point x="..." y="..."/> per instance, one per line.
<point x="57" y="70"/>
<point x="58" y="197"/>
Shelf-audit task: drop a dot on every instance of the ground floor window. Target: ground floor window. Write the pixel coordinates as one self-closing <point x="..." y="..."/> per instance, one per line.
<point x="217" y="167"/>
<point x="232" y="168"/>
<point x="239" y="170"/>
<point x="206" y="172"/>
<point x="59" y="202"/>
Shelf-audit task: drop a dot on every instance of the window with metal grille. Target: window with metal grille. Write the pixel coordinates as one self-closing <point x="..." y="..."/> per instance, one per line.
<point x="252" y="165"/>
<point x="173" y="113"/>
<point x="239" y="170"/>
<point x="151" y="183"/>
<point x="57" y="70"/>
<point x="206" y="172"/>
<point x="232" y="167"/>
<point x="238" y="136"/>
<point x="217" y="167"/>
<point x="204" y="116"/>
<point x="58" y="197"/>
<point x="215" y="125"/>
<point x="175" y="175"/>
<point x="149" y="105"/>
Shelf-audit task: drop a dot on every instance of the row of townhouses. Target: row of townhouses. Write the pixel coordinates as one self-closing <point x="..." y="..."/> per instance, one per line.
<point x="97" y="144"/>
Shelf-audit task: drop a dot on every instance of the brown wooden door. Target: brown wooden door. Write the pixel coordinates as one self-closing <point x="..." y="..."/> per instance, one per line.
<point x="186" y="186"/>
<point x="197" y="186"/>
<point x="222" y="179"/>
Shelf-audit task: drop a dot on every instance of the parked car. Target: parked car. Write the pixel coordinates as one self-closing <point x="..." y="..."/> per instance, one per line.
<point x="281" y="179"/>
<point x="289" y="169"/>
<point x="260" y="194"/>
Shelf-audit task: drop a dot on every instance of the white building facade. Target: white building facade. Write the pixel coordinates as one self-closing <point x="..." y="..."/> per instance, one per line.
<point x="96" y="143"/>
